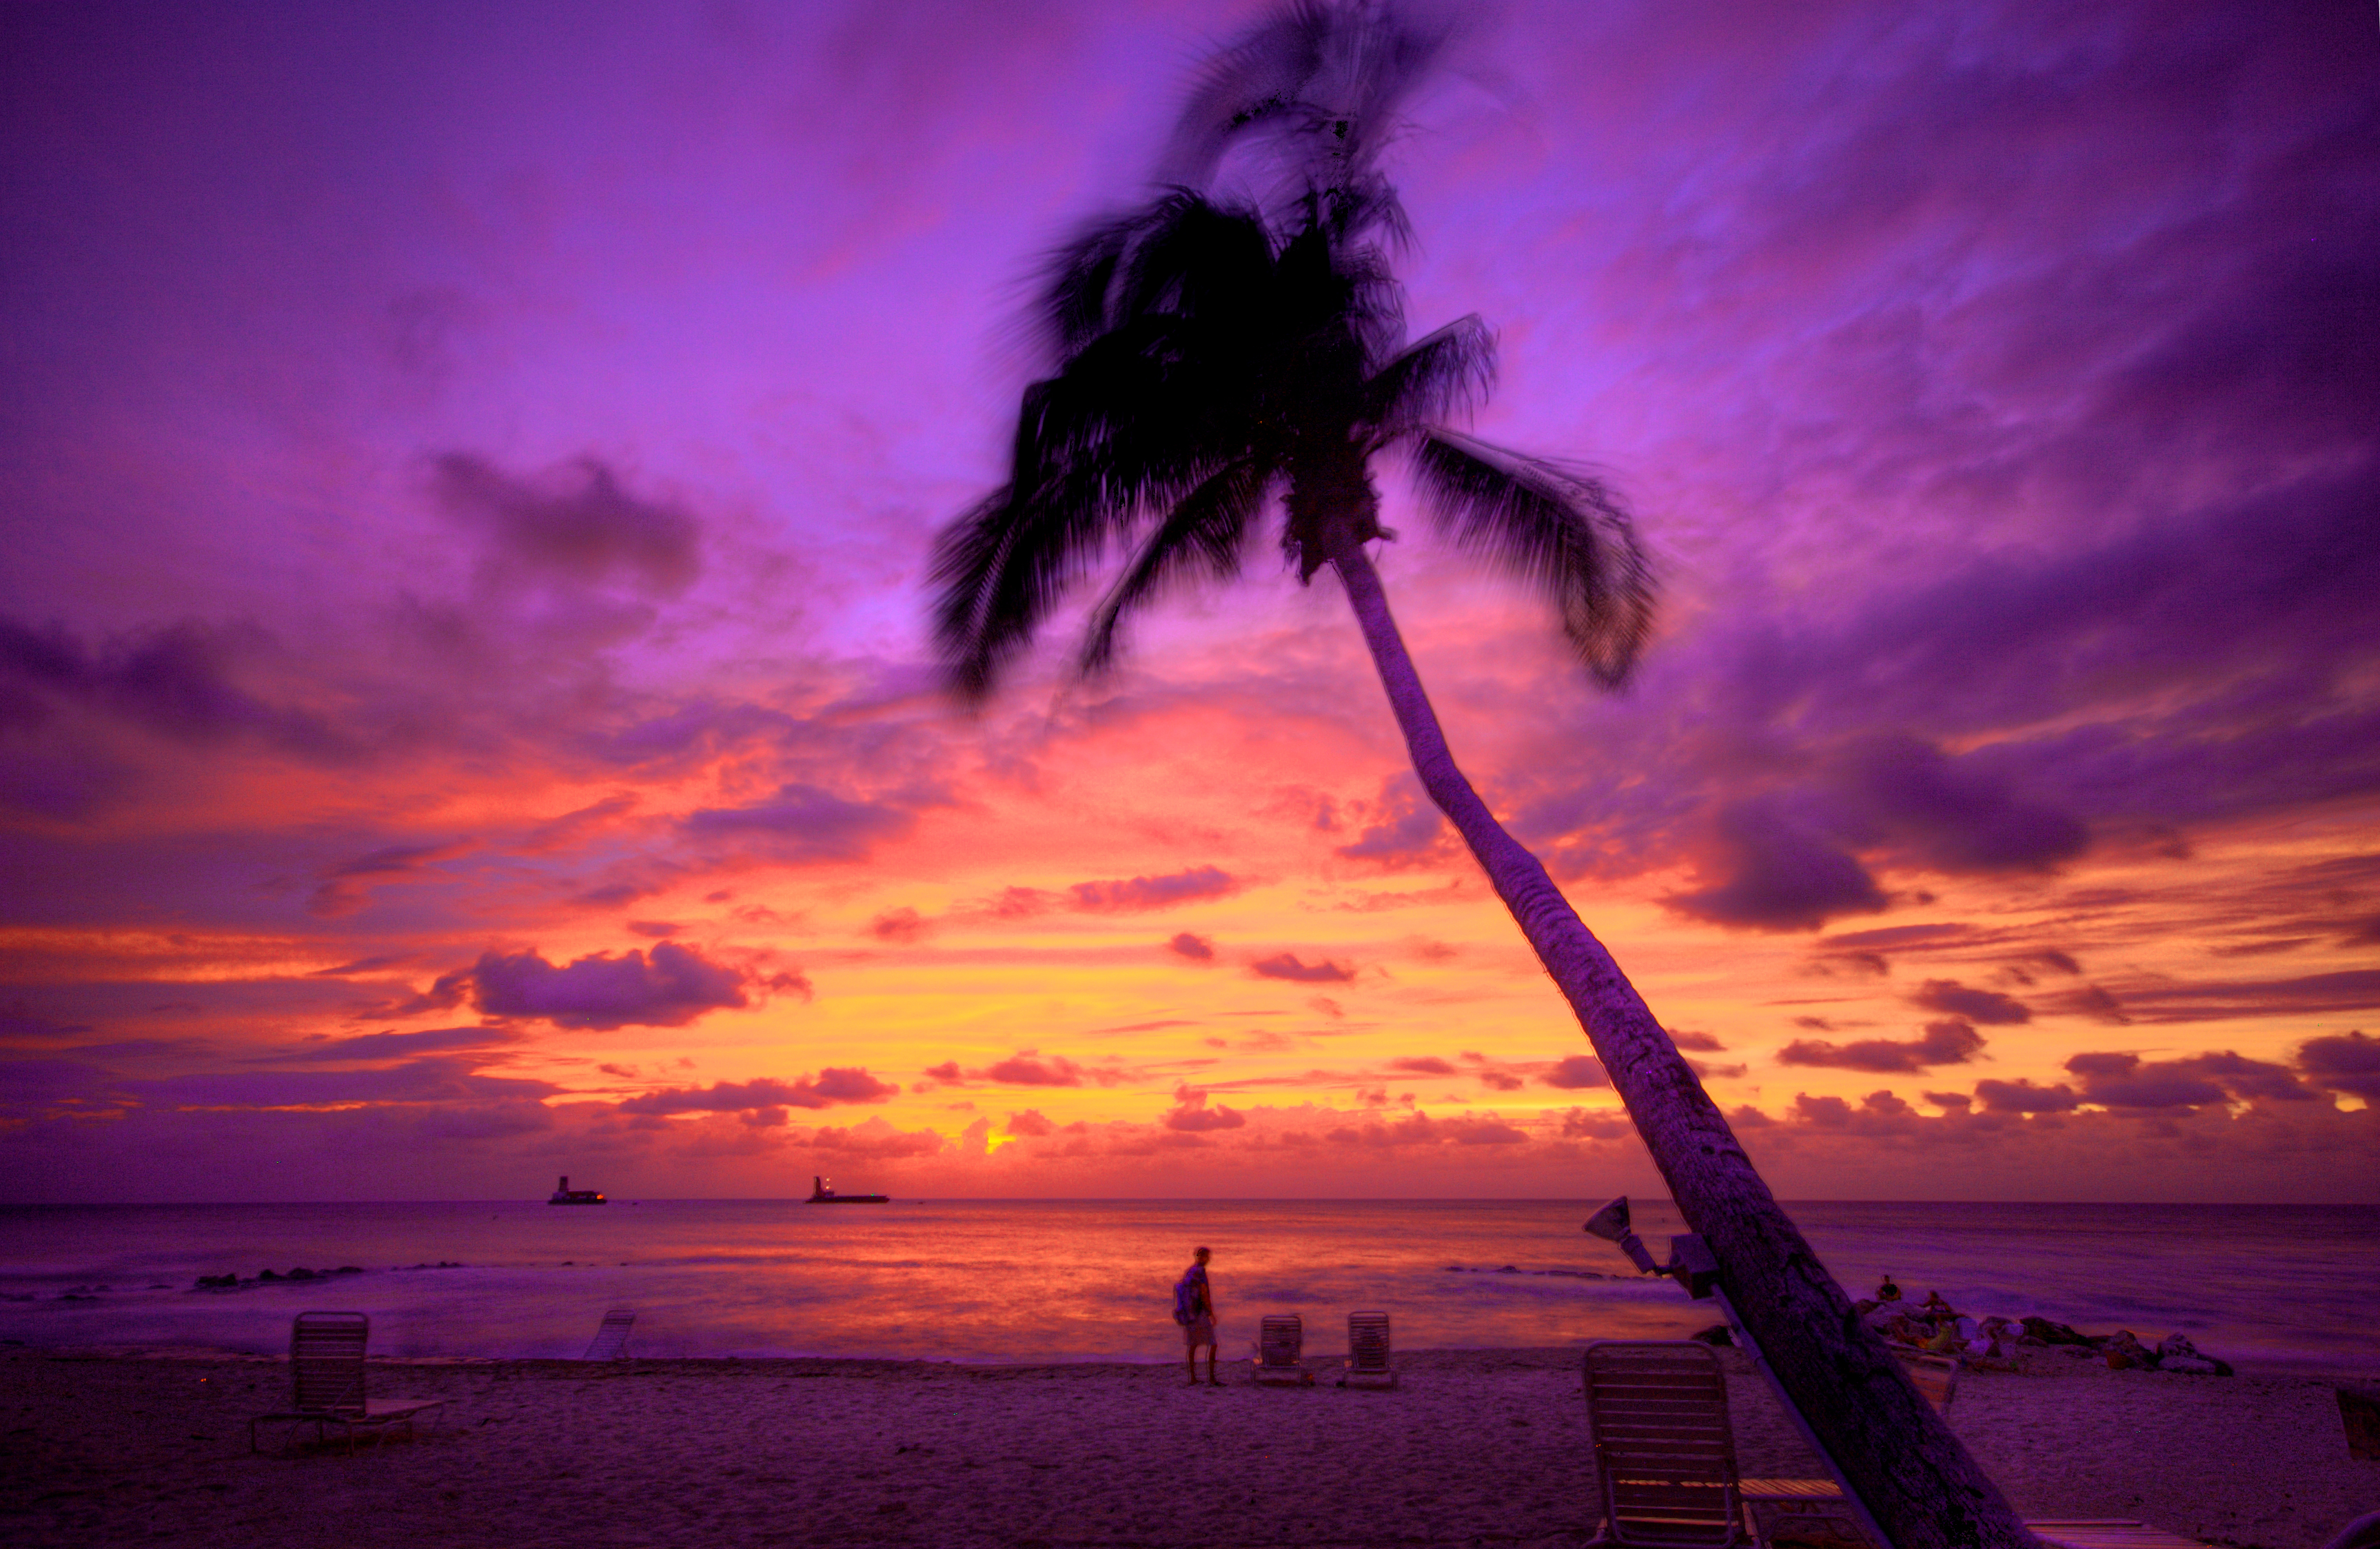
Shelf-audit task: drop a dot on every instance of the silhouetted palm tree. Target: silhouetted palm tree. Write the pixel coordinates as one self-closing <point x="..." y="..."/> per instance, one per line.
<point x="1219" y="359"/>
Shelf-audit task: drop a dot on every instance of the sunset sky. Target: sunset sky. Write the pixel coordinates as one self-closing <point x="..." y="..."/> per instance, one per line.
<point x="466" y="712"/>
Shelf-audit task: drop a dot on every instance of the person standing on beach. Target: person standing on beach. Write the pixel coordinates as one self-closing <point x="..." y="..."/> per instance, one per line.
<point x="1194" y="1308"/>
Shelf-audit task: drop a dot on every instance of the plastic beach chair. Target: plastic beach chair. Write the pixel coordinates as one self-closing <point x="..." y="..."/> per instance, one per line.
<point x="1281" y="1345"/>
<point x="326" y="1383"/>
<point x="611" y="1341"/>
<point x="2107" y="1532"/>
<point x="2114" y="1532"/>
<point x="1665" y="1454"/>
<point x="1367" y="1351"/>
<point x="1936" y="1376"/>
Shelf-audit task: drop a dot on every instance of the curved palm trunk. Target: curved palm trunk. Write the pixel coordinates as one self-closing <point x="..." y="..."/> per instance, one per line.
<point x="1915" y="1478"/>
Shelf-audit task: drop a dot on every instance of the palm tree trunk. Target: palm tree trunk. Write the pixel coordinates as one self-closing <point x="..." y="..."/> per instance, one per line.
<point x="1916" y="1480"/>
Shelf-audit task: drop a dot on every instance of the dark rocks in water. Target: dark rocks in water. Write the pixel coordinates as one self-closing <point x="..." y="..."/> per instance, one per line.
<point x="2125" y="1352"/>
<point x="2176" y="1353"/>
<point x="295" y="1276"/>
<point x="1717" y="1334"/>
<point x="1509" y="1269"/>
<point x="2053" y="1334"/>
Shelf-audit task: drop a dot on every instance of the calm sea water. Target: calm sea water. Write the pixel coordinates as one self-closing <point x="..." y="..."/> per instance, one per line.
<point x="2265" y="1288"/>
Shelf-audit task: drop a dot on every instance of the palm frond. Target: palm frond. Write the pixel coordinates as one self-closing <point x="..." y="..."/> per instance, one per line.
<point x="1322" y="85"/>
<point x="1441" y="377"/>
<point x="1209" y="530"/>
<point x="997" y="571"/>
<point x="1203" y="262"/>
<point x="1559" y="530"/>
<point x="1079" y="279"/>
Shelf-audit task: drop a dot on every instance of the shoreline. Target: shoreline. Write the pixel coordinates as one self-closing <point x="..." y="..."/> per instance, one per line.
<point x="1475" y="1445"/>
<point x="2036" y="1362"/>
<point x="2041" y="1364"/>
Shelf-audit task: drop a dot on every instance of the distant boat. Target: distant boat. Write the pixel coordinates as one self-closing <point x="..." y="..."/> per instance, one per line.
<point x="822" y="1195"/>
<point x="566" y="1195"/>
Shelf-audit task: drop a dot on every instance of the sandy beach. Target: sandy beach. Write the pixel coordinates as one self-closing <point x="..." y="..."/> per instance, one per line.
<point x="1475" y="1448"/>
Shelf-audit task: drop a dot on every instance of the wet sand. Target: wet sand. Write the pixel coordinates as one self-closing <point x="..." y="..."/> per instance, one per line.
<point x="1475" y="1448"/>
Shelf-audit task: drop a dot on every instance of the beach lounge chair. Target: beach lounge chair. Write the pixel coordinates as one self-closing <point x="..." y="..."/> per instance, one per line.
<point x="1936" y="1376"/>
<point x="611" y="1341"/>
<point x="2107" y="1532"/>
<point x="1665" y="1455"/>
<point x="2114" y="1532"/>
<point x="1279" y="1349"/>
<point x="1367" y="1351"/>
<point x="326" y="1383"/>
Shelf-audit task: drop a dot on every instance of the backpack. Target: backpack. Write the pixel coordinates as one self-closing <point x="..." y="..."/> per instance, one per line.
<point x="1185" y="1302"/>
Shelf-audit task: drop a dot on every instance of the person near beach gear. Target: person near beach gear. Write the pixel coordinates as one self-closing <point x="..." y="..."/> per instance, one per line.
<point x="1194" y="1308"/>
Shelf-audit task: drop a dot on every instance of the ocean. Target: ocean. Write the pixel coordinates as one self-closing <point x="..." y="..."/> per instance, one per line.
<point x="2266" y="1287"/>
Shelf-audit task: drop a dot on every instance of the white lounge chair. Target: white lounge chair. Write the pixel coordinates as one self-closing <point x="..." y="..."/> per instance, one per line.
<point x="1280" y="1346"/>
<point x="611" y="1341"/>
<point x="326" y="1383"/>
<point x="1665" y="1455"/>
<point x="1367" y="1351"/>
<point x="1936" y="1376"/>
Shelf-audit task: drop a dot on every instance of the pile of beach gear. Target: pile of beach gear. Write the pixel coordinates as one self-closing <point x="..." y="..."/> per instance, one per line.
<point x="1993" y="1343"/>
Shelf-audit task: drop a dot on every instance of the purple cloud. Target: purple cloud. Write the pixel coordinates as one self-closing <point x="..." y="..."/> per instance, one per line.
<point x="1410" y="831"/>
<point x="1987" y="1007"/>
<point x="1030" y="1123"/>
<point x="1780" y="874"/>
<point x="601" y="991"/>
<point x="1960" y="817"/>
<point x="2023" y="1097"/>
<point x="1285" y="965"/>
<point x="347" y="888"/>
<point x="1199" y="950"/>
<point x="176" y="682"/>
<point x="2125" y="1080"/>
<point x="1483" y="1132"/>
<point x="803" y="823"/>
<point x="900" y="926"/>
<point x="401" y="1045"/>
<point x="2166" y="1001"/>
<point x="1950" y="1041"/>
<point x="1137" y="894"/>
<point x="435" y="1079"/>
<point x="2343" y="1062"/>
<point x="1027" y="1070"/>
<point x="830" y="1087"/>
<point x="1191" y="1114"/>
<point x="574" y="523"/>
<point x="1423" y="1065"/>
<point x="1577" y="1072"/>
